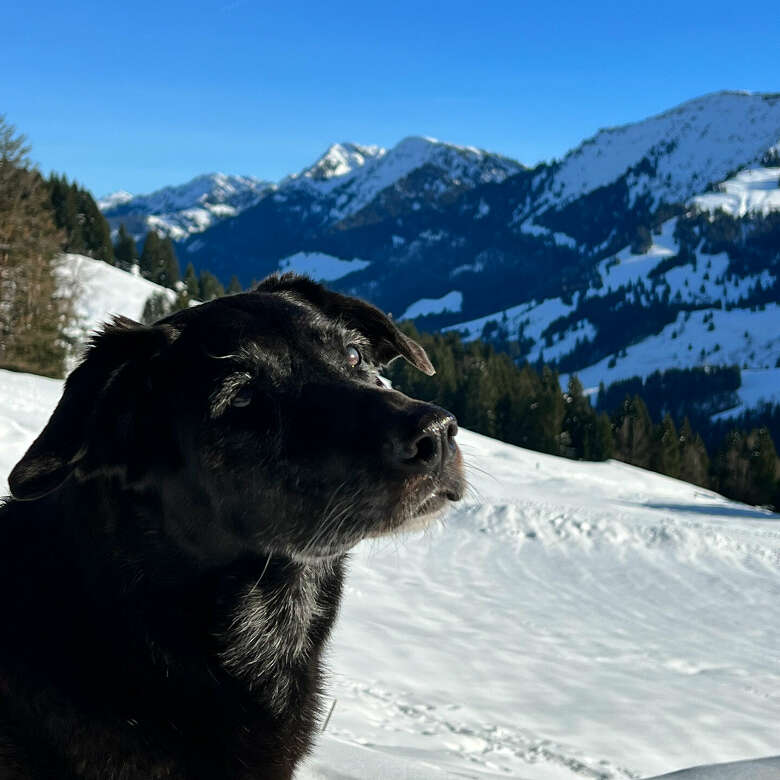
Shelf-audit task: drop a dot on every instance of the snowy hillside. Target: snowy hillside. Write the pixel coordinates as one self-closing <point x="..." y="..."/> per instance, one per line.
<point x="688" y="147"/>
<point x="182" y="210"/>
<point x="704" y="333"/>
<point x="100" y="291"/>
<point x="568" y="620"/>
<point x="754" y="190"/>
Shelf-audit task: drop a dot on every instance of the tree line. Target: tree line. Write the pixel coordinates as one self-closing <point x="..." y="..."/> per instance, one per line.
<point x="524" y="405"/>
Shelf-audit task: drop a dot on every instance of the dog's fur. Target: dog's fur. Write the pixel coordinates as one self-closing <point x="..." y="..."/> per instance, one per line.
<point x="171" y="559"/>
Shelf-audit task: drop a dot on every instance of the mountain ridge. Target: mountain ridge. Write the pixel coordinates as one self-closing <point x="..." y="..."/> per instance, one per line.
<point x="688" y="197"/>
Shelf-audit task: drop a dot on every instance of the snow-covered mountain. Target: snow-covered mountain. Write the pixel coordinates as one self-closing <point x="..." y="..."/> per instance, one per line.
<point x="682" y="151"/>
<point x="674" y="220"/>
<point x="709" y="323"/>
<point x="352" y="177"/>
<point x="569" y="620"/>
<point x="343" y="181"/>
<point x="182" y="210"/>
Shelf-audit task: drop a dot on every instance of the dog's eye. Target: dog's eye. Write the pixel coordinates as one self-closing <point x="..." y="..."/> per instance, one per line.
<point x="242" y="398"/>
<point x="354" y="357"/>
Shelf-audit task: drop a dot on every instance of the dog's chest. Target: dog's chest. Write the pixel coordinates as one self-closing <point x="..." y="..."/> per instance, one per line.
<point x="273" y="635"/>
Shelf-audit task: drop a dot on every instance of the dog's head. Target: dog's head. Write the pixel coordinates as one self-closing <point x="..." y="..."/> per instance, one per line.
<point x="259" y="422"/>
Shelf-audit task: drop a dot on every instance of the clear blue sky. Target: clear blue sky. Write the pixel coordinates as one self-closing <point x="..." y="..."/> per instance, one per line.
<point x="138" y="95"/>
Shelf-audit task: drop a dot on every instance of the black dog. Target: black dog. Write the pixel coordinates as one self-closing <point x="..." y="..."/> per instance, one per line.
<point x="172" y="558"/>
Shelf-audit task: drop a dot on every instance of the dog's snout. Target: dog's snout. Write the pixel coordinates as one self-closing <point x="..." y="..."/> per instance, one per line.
<point x="430" y="446"/>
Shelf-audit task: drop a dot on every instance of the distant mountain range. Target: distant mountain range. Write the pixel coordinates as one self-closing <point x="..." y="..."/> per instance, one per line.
<point x="634" y="235"/>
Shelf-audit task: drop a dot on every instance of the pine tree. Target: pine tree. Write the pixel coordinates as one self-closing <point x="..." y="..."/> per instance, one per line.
<point x="579" y="423"/>
<point x="665" y="457"/>
<point x="95" y="229"/>
<point x="191" y="283"/>
<point x="603" y="443"/>
<point x="694" y="461"/>
<point x="125" y="250"/>
<point x="151" y="255"/>
<point x="634" y="433"/>
<point x="209" y="286"/>
<point x="34" y="316"/>
<point x="234" y="286"/>
<point x="764" y="467"/>
<point x="156" y="307"/>
<point x="168" y="273"/>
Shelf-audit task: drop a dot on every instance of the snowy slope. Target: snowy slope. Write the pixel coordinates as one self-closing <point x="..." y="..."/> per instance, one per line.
<point x="182" y="210"/>
<point x="102" y="290"/>
<point x="319" y="266"/>
<point x="569" y="620"/>
<point x="708" y="335"/>
<point x="754" y="190"/>
<point x="690" y="146"/>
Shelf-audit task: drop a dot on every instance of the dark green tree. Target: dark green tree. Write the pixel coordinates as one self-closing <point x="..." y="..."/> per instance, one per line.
<point x="665" y="457"/>
<point x="209" y="286"/>
<point x="125" y="250"/>
<point x="151" y="256"/>
<point x="169" y="272"/>
<point x="634" y="433"/>
<point x="85" y="229"/>
<point x="191" y="282"/>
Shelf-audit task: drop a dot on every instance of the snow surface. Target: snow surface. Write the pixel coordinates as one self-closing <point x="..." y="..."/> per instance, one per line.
<point x="756" y="190"/>
<point x="452" y="301"/>
<point x="568" y="620"/>
<point x="761" y="769"/>
<point x="322" y="267"/>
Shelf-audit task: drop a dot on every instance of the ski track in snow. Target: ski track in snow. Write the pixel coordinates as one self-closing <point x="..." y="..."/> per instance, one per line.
<point x="568" y="620"/>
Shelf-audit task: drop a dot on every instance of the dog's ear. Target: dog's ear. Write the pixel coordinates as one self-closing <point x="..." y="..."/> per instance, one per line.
<point x="91" y="405"/>
<point x="388" y="341"/>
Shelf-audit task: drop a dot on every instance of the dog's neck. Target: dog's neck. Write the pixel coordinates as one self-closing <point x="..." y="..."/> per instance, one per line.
<point x="278" y="624"/>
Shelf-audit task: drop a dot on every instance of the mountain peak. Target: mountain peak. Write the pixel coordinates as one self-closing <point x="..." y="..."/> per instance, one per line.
<point x="341" y="159"/>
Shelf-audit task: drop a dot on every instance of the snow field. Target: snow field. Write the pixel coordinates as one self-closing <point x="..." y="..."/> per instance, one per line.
<point x="708" y="336"/>
<point x="452" y="301"/>
<point x="322" y="267"/>
<point x="755" y="190"/>
<point x="568" y="620"/>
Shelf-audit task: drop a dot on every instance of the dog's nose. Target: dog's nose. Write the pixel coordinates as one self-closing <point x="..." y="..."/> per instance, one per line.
<point x="430" y="447"/>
